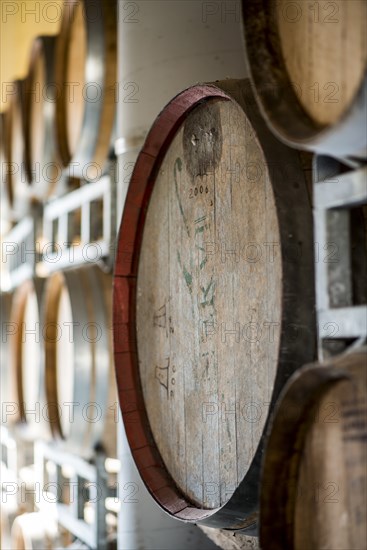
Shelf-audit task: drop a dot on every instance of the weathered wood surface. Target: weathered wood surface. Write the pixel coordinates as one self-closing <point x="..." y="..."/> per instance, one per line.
<point x="79" y="360"/>
<point x="314" y="491"/>
<point x="208" y="293"/>
<point x="208" y="334"/>
<point x="308" y="63"/>
<point x="324" y="46"/>
<point x="35" y="531"/>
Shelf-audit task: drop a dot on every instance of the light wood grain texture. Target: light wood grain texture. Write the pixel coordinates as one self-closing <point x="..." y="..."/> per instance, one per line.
<point x="206" y="295"/>
<point x="324" y="46"/>
<point x="314" y="488"/>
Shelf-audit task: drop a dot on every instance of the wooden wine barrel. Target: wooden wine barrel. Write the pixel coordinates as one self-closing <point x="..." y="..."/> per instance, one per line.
<point x="79" y="359"/>
<point x="27" y="355"/>
<point x="314" y="486"/>
<point x="312" y="95"/>
<point x="34" y="531"/>
<point x="85" y="74"/>
<point x="42" y="166"/>
<point x="16" y="167"/>
<point x="212" y="309"/>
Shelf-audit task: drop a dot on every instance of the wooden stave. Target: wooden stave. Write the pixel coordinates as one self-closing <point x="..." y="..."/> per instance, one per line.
<point x="98" y="117"/>
<point x="287" y="433"/>
<point x="97" y="383"/>
<point x="283" y="112"/>
<point x="241" y="511"/>
<point x="42" y="51"/>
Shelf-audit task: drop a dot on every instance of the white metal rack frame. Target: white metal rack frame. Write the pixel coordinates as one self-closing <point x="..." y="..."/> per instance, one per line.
<point x="79" y="228"/>
<point x="342" y="320"/>
<point x="87" y="484"/>
<point x="18" y="253"/>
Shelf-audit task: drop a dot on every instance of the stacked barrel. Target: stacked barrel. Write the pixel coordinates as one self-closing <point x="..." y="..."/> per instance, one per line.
<point x="52" y="130"/>
<point x="56" y="351"/>
<point x="234" y="323"/>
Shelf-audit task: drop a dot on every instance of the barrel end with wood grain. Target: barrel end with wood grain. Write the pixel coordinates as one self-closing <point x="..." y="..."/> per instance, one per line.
<point x="213" y="300"/>
<point x="312" y="96"/>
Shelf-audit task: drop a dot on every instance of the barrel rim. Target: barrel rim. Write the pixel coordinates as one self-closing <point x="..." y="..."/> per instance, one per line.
<point x="284" y="114"/>
<point x="243" y="503"/>
<point x="287" y="432"/>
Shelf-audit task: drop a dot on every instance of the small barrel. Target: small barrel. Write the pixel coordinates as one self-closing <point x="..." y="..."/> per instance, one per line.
<point x="16" y="167"/>
<point x="312" y="95"/>
<point x="27" y="356"/>
<point x="85" y="74"/>
<point x="40" y="145"/>
<point x="314" y="486"/>
<point x="213" y="300"/>
<point x="80" y="384"/>
<point x="34" y="531"/>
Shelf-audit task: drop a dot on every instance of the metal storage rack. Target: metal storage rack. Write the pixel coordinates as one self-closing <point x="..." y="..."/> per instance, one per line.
<point x="337" y="189"/>
<point x="38" y="245"/>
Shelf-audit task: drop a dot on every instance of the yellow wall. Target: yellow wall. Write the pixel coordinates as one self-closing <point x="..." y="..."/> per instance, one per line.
<point x="20" y="22"/>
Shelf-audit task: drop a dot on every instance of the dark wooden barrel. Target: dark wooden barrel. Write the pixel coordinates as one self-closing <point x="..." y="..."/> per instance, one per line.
<point x="314" y="486"/>
<point x="16" y="172"/>
<point x="213" y="300"/>
<point x="85" y="73"/>
<point x="27" y="356"/>
<point x="313" y="95"/>
<point x="79" y="359"/>
<point x="43" y="168"/>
